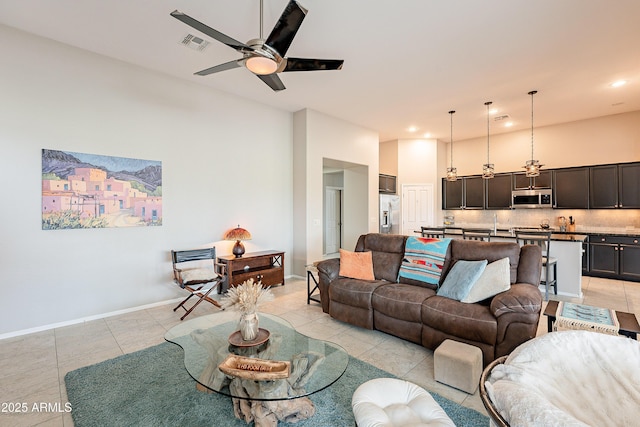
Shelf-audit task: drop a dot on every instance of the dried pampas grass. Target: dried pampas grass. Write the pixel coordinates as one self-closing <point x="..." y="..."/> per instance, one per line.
<point x="246" y="297"/>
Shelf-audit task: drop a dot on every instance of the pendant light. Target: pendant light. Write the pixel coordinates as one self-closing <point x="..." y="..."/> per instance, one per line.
<point x="488" y="171"/>
<point x="452" y="173"/>
<point x="532" y="167"/>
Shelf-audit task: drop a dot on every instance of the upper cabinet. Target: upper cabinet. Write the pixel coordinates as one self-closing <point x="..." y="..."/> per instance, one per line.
<point x="387" y="184"/>
<point x="571" y="188"/>
<point x="522" y="182"/>
<point x="603" y="187"/>
<point x="452" y="194"/>
<point x="585" y="187"/>
<point x="498" y="192"/>
<point x="473" y="192"/>
<point x="615" y="186"/>
<point x="629" y="185"/>
<point x="464" y="193"/>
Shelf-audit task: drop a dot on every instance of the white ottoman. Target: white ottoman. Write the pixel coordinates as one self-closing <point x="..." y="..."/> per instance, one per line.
<point x="388" y="402"/>
<point x="458" y="364"/>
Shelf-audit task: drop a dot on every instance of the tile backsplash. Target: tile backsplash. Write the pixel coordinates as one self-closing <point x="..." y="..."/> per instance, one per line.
<point x="592" y="220"/>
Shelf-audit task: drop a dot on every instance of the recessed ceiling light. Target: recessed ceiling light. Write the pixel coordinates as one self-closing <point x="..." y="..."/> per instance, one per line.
<point x="508" y="124"/>
<point x="412" y="129"/>
<point x="427" y="135"/>
<point x="618" y="83"/>
<point x="493" y="111"/>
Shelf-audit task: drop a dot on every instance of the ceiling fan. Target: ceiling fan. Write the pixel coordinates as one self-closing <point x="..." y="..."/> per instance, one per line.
<point x="265" y="58"/>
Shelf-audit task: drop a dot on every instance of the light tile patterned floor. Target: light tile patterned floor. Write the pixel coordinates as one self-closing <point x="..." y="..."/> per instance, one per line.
<point x="32" y="367"/>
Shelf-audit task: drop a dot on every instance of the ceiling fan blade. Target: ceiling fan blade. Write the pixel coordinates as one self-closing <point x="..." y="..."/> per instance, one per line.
<point x="286" y="28"/>
<point x="222" y="67"/>
<point x="217" y="35"/>
<point x="272" y="80"/>
<point x="308" y="64"/>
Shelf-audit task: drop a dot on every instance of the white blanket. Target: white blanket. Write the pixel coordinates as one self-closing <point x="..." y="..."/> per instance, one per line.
<point x="570" y="378"/>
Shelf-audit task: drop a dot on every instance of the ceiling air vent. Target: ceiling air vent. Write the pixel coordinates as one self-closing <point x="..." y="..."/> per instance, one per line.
<point x="194" y="42"/>
<point x="501" y="118"/>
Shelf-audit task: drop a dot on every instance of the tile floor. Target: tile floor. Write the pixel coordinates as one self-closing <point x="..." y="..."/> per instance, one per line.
<point x="32" y="367"/>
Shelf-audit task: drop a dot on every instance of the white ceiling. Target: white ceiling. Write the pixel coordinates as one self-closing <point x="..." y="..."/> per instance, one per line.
<point x="407" y="63"/>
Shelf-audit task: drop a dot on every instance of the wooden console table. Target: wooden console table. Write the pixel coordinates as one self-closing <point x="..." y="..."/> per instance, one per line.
<point x="265" y="266"/>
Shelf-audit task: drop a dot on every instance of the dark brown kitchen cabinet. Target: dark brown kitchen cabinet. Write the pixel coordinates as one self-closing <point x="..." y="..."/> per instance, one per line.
<point x="629" y="185"/>
<point x="616" y="257"/>
<point x="452" y="194"/>
<point x="571" y="188"/>
<point x="464" y="193"/>
<point x="498" y="191"/>
<point x="386" y="184"/>
<point x="585" y="256"/>
<point x="603" y="187"/>
<point x="473" y="190"/>
<point x="522" y="182"/>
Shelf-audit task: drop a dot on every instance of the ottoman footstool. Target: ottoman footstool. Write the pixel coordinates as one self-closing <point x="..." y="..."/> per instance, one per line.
<point x="392" y="402"/>
<point x="458" y="365"/>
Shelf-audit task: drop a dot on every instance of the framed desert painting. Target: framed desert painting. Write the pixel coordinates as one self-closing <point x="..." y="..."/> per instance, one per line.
<point x="93" y="191"/>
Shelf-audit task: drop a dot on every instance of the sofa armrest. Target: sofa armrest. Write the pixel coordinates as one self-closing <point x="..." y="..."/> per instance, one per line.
<point x="328" y="271"/>
<point x="520" y="298"/>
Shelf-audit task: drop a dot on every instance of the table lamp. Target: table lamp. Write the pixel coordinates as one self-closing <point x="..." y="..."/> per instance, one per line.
<point x="238" y="234"/>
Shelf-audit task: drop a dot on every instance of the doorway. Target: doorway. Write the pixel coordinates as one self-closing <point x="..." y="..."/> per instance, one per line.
<point x="333" y="220"/>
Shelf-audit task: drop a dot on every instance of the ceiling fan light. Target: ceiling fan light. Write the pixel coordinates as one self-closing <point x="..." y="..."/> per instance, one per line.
<point x="261" y="65"/>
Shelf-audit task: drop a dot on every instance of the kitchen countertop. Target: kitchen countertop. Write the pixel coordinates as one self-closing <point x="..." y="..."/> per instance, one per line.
<point x="557" y="234"/>
<point x="508" y="233"/>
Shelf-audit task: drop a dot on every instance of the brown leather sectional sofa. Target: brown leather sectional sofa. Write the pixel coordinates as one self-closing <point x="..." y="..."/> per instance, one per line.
<point x="411" y="310"/>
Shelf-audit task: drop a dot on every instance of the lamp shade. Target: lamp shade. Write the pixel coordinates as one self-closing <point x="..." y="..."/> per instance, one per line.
<point x="238" y="234"/>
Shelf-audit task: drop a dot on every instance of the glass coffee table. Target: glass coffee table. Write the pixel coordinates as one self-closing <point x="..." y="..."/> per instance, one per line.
<point x="210" y="340"/>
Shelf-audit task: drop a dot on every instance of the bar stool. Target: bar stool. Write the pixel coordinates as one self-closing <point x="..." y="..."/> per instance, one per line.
<point x="433" y="232"/>
<point x="476" y="234"/>
<point x="542" y="239"/>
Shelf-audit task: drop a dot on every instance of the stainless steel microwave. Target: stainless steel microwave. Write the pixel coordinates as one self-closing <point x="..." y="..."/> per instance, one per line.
<point x="531" y="199"/>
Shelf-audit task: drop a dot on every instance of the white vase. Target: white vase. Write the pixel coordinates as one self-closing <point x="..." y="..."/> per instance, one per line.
<point x="249" y="326"/>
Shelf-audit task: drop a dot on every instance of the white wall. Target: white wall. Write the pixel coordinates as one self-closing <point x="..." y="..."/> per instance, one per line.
<point x="609" y="139"/>
<point x="217" y="172"/>
<point x="317" y="137"/>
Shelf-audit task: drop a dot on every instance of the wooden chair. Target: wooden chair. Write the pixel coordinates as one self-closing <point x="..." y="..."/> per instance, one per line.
<point x="191" y="272"/>
<point x="542" y="239"/>
<point x="433" y="232"/>
<point x="476" y="234"/>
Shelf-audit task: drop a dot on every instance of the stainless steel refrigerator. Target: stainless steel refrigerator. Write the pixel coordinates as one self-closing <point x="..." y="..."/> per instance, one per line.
<point x="389" y="214"/>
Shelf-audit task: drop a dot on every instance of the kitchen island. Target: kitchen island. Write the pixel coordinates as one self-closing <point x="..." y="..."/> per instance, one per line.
<point x="565" y="247"/>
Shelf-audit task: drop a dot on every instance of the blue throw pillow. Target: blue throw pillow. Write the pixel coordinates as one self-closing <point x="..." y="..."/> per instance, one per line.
<point x="461" y="279"/>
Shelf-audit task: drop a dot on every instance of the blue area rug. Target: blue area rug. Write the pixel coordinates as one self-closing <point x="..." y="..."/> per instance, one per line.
<point x="151" y="387"/>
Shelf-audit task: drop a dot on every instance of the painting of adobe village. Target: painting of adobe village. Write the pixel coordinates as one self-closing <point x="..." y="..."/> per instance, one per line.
<point x="93" y="191"/>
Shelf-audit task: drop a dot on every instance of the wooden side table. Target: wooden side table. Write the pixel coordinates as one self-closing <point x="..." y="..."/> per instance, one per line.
<point x="312" y="277"/>
<point x="265" y="266"/>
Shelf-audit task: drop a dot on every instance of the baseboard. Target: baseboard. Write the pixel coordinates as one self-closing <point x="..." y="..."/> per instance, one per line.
<point x="86" y="319"/>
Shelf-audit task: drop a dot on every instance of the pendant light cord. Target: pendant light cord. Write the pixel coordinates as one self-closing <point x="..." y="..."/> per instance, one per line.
<point x="451" y="137"/>
<point x="488" y="103"/>
<point x="533" y="92"/>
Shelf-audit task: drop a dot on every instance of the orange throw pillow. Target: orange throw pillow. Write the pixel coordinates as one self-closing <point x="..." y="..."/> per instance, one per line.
<point x="357" y="265"/>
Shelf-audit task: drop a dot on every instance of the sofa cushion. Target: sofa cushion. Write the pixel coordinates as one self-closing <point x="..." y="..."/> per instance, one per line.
<point x="494" y="279"/>
<point x="472" y="250"/>
<point x="387" y="252"/>
<point x="472" y="322"/>
<point x="354" y="292"/>
<point x="461" y="279"/>
<point x="356" y="265"/>
<point x="401" y="301"/>
<point x="424" y="259"/>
